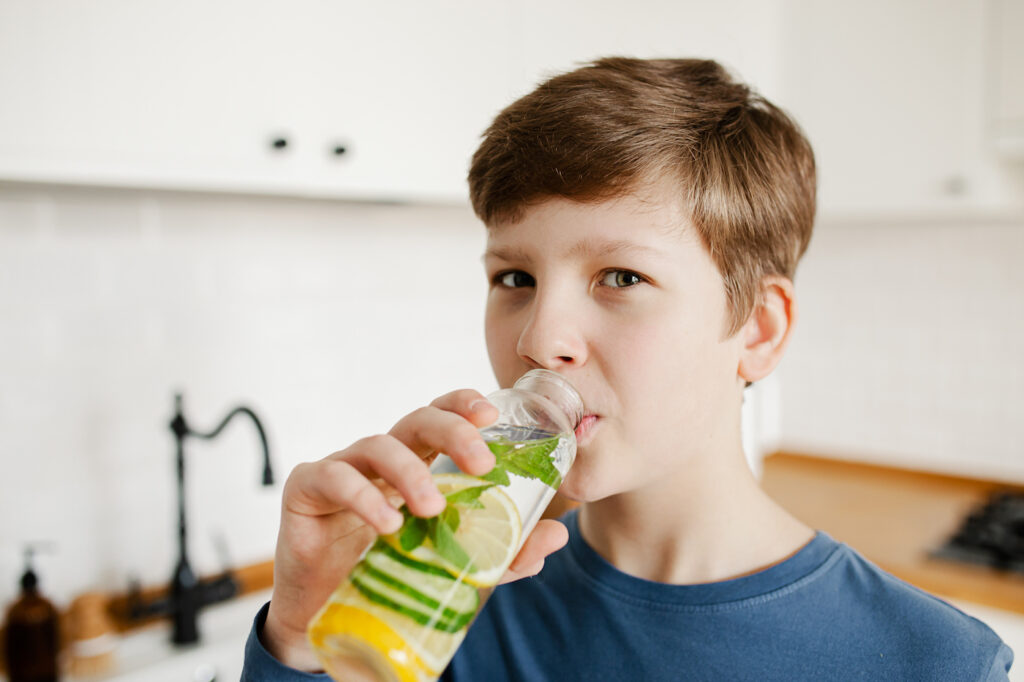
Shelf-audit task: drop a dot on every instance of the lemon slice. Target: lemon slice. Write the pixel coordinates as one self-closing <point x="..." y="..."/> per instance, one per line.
<point x="353" y="627"/>
<point x="355" y="644"/>
<point x="489" y="534"/>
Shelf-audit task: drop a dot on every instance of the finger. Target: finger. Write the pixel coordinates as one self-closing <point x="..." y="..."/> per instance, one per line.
<point x="549" y="536"/>
<point x="389" y="458"/>
<point x="434" y="429"/>
<point x="523" y="572"/>
<point x="470" y="404"/>
<point x="333" y="485"/>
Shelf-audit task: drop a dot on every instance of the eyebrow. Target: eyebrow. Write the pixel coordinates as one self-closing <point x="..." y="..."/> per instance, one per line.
<point x="581" y="249"/>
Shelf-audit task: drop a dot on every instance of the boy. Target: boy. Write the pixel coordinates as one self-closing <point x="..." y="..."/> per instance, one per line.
<point x="644" y="223"/>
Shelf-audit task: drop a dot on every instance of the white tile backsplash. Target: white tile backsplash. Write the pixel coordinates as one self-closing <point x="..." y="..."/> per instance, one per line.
<point x="908" y="347"/>
<point x="331" y="320"/>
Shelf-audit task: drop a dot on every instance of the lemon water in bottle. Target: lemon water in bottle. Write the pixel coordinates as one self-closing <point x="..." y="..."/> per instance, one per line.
<point x="405" y="608"/>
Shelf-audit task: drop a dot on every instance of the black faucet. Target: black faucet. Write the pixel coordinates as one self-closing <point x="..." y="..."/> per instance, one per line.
<point x="188" y="594"/>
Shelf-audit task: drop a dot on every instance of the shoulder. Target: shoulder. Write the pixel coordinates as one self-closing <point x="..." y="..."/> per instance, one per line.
<point x="926" y="631"/>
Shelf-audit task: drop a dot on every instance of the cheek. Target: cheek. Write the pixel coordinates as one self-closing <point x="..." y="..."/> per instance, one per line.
<point x="649" y="366"/>
<point x="501" y="339"/>
<point x="669" y="373"/>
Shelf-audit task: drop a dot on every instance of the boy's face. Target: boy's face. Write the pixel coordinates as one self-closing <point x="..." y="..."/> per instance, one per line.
<point x="622" y="299"/>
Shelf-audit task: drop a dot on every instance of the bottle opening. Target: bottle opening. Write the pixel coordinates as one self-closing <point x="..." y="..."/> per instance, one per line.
<point x="555" y="388"/>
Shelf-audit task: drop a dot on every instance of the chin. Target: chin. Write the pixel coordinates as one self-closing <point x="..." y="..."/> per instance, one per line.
<point x="582" y="485"/>
<point x="571" y="488"/>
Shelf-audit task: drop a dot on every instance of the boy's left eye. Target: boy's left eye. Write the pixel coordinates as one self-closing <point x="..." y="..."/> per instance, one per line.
<point x="619" y="279"/>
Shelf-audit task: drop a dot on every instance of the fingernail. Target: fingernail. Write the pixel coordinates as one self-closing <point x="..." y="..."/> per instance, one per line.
<point x="426" y="492"/>
<point x="479" y="405"/>
<point x="480" y="451"/>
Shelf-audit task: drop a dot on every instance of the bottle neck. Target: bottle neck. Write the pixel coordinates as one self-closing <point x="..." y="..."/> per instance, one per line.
<point x="556" y="389"/>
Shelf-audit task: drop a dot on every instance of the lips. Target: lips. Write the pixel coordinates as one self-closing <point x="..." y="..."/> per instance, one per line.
<point x="586" y="426"/>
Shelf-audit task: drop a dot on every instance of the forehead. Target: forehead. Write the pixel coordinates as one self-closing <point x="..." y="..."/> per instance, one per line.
<point x="646" y="224"/>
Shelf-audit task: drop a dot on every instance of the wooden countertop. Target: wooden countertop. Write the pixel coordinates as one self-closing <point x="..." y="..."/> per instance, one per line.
<point x="894" y="517"/>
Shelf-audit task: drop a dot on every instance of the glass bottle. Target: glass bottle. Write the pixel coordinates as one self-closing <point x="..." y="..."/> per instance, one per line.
<point x="405" y="608"/>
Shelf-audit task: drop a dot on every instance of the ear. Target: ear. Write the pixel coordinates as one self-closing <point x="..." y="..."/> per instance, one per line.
<point x="767" y="331"/>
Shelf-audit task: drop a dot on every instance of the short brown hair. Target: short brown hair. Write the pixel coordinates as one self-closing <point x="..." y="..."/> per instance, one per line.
<point x="746" y="171"/>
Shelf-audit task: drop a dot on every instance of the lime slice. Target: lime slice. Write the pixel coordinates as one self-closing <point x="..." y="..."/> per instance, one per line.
<point x="433" y="588"/>
<point x="489" y="533"/>
<point x="401" y="594"/>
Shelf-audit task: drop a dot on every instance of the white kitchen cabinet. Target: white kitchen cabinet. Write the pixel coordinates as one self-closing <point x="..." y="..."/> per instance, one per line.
<point x="894" y="97"/>
<point x="549" y="37"/>
<point x="114" y="92"/>
<point x="897" y="98"/>
<point x="416" y="92"/>
<point x="1006" y="28"/>
<point x="191" y="94"/>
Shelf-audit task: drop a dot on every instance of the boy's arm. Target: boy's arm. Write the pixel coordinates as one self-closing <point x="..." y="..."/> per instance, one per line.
<point x="260" y="666"/>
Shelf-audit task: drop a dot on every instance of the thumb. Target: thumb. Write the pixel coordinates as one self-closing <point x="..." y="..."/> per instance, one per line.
<point x="549" y="536"/>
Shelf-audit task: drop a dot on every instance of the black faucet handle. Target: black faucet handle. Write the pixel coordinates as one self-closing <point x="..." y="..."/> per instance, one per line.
<point x="137" y="608"/>
<point x="226" y="585"/>
<point x="219" y="589"/>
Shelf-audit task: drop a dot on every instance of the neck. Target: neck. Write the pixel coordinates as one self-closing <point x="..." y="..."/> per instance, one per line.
<point x="692" y="528"/>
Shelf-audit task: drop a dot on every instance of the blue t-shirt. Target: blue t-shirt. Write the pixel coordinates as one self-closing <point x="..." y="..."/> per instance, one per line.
<point x="825" y="613"/>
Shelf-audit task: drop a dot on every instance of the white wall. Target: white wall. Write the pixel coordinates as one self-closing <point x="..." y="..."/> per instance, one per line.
<point x="112" y="301"/>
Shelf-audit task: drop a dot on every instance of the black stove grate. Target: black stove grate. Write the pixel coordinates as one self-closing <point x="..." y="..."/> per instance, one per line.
<point x="992" y="535"/>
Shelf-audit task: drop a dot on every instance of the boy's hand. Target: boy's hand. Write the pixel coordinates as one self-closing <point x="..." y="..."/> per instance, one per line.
<point x="333" y="509"/>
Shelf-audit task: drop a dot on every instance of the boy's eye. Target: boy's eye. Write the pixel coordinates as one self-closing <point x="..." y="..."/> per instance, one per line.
<point x="513" y="279"/>
<point x="619" y="279"/>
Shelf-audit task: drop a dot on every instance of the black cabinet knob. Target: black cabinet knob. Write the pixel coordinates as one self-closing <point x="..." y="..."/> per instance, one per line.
<point x="279" y="143"/>
<point x="339" y="150"/>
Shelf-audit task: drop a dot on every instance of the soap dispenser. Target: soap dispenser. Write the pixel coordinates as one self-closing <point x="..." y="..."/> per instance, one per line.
<point x="32" y="626"/>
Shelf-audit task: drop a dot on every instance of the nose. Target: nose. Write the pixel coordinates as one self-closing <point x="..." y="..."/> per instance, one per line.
<point x="552" y="337"/>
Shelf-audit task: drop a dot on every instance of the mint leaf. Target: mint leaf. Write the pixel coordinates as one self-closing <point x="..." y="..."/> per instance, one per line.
<point x="501" y="445"/>
<point x="450" y="517"/>
<point x="446" y="545"/>
<point x="534" y="461"/>
<point x="529" y="459"/>
<point x="467" y="496"/>
<point x="497" y="475"/>
<point x="539" y="448"/>
<point x="413" y="531"/>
